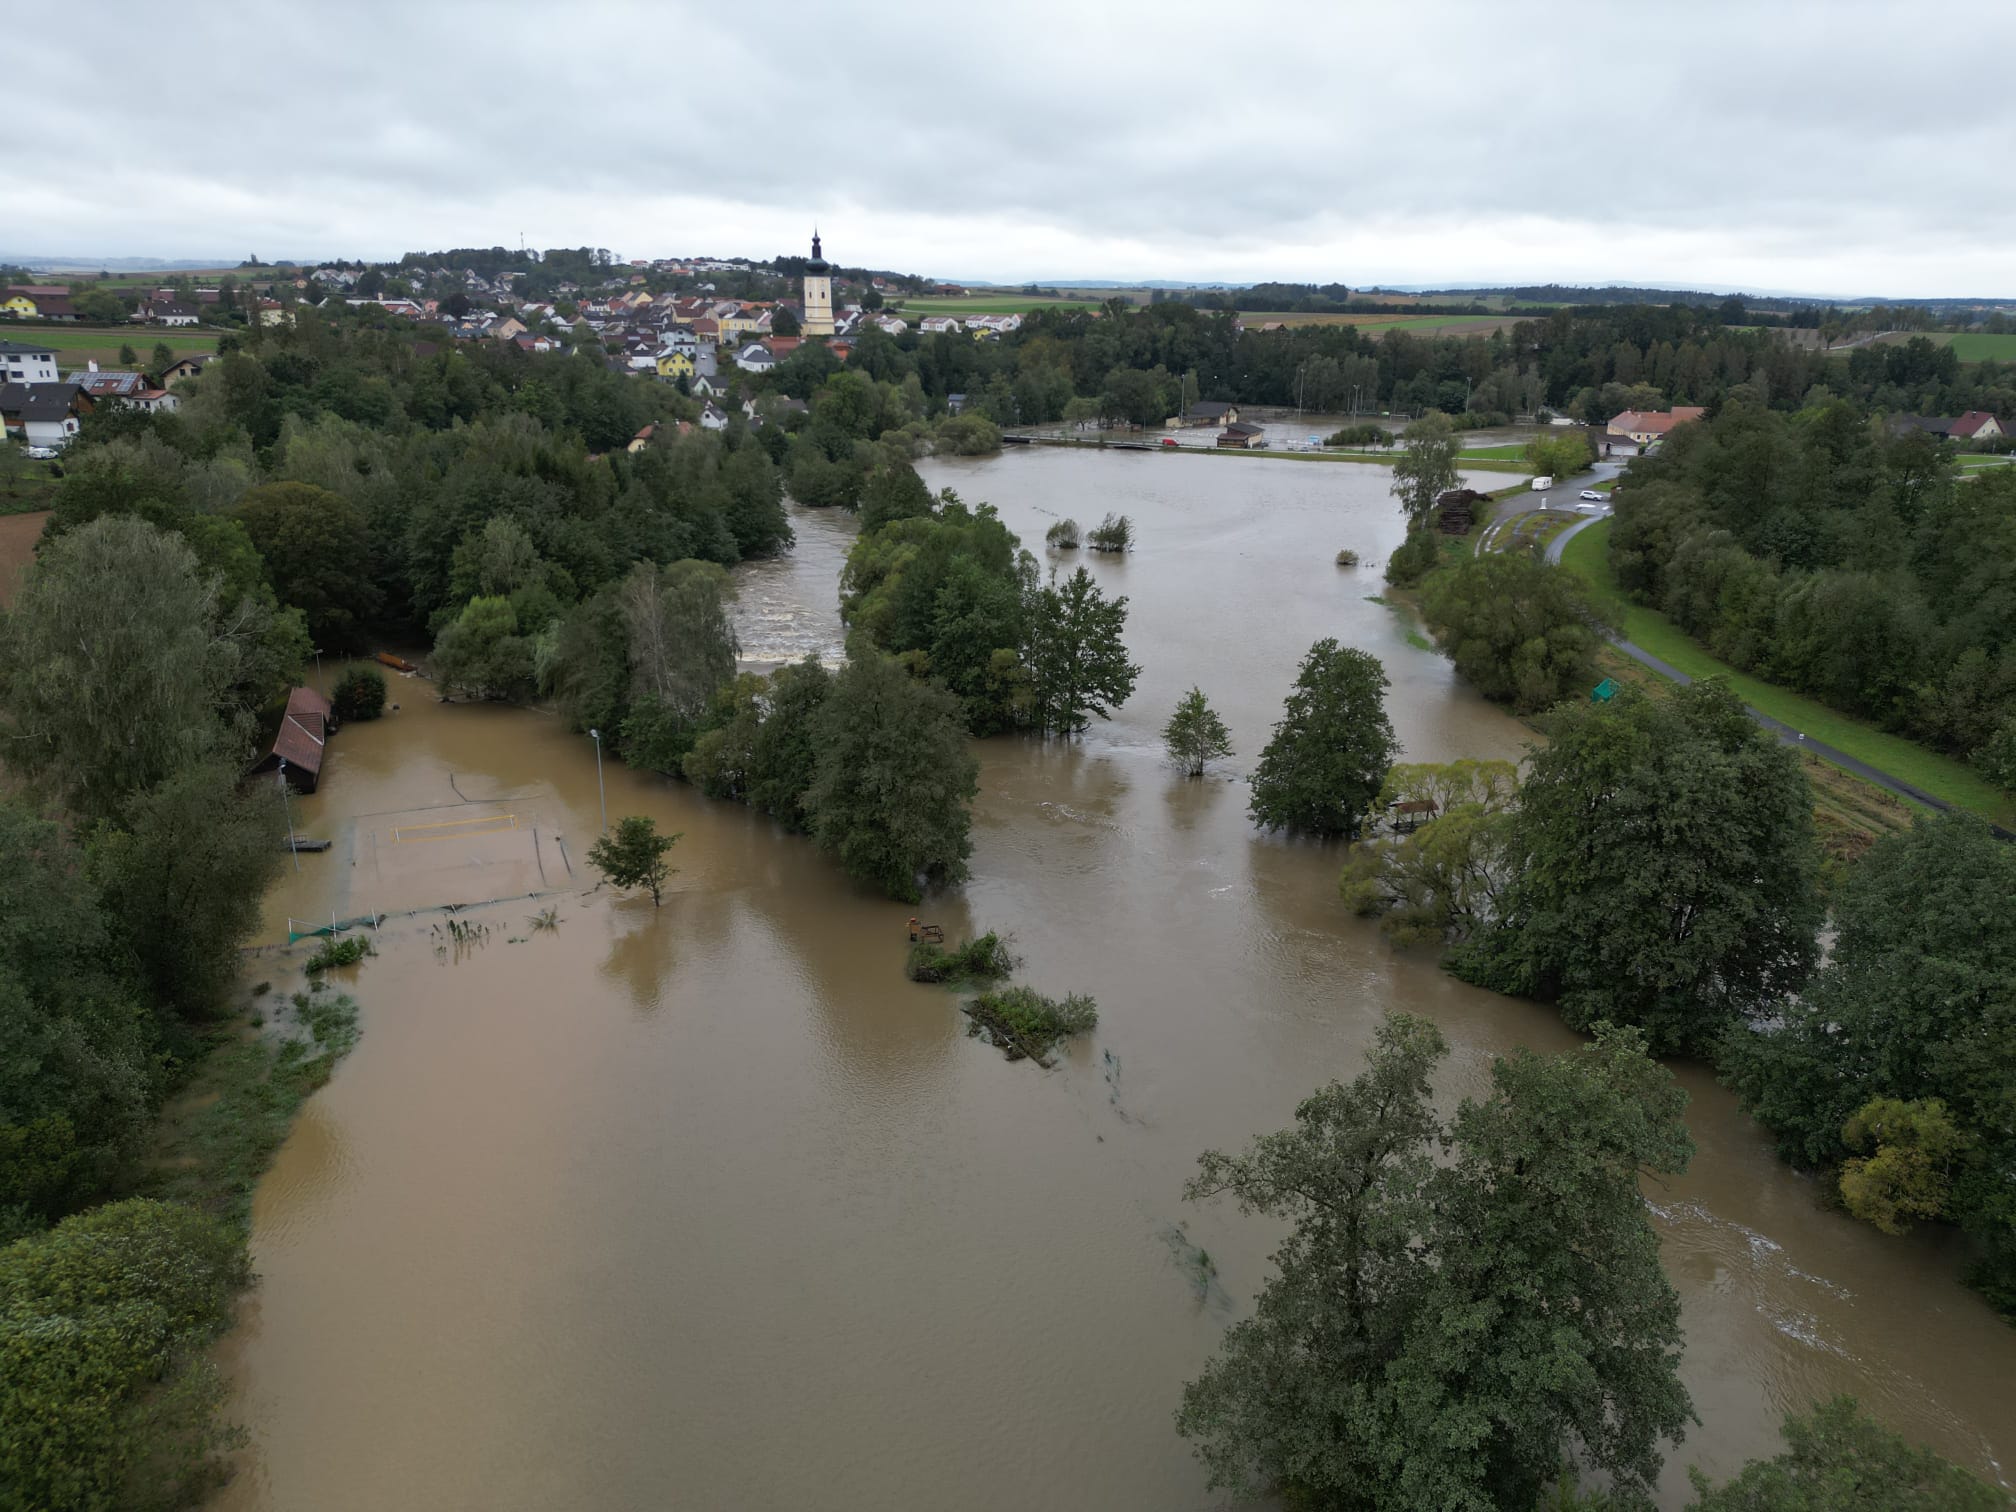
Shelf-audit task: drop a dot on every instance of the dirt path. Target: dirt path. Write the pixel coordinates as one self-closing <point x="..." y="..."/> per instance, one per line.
<point x="18" y="535"/>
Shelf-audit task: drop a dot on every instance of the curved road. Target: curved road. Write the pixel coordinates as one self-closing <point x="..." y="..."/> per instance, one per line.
<point x="1785" y="733"/>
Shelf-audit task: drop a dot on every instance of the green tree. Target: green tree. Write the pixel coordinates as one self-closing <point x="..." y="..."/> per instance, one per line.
<point x="183" y="878"/>
<point x="1330" y="751"/>
<point x="1559" y="455"/>
<point x="104" y="694"/>
<point x="892" y="796"/>
<point x="359" y="695"/>
<point x="1459" y="1304"/>
<point x="1195" y="736"/>
<point x="107" y="1392"/>
<point x="1443" y="880"/>
<point x="783" y="322"/>
<point x="317" y="549"/>
<point x="681" y="649"/>
<point x="1839" y="1459"/>
<point x="634" y="856"/>
<point x="1519" y="629"/>
<point x="1914" y="1010"/>
<point x="1663" y="867"/>
<point x="481" y="654"/>
<point x="100" y="307"/>
<point x="1077" y="656"/>
<point x="76" y="1075"/>
<point x="1908" y="1174"/>
<point x="1426" y="467"/>
<point x="163" y="358"/>
<point x="784" y="758"/>
<point x="127" y="356"/>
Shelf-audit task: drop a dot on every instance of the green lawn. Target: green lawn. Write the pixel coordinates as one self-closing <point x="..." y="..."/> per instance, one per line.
<point x="991" y="304"/>
<point x="1512" y="451"/>
<point x="1959" y="784"/>
<point x="1978" y="346"/>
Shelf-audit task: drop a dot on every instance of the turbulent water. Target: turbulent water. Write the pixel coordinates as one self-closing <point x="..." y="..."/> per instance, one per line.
<point x="706" y="1206"/>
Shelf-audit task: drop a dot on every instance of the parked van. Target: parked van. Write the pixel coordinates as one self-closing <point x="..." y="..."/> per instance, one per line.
<point x="1542" y="483"/>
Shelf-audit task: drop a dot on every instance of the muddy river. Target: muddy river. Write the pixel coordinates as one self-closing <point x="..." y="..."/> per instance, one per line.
<point x="705" y="1206"/>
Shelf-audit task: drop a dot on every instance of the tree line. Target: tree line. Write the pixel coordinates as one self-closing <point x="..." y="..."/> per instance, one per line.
<point x="1825" y="553"/>
<point x="132" y="866"/>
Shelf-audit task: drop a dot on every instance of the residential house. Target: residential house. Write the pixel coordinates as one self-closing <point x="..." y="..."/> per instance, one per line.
<point x="673" y="365"/>
<point x="894" y="325"/>
<point x="271" y="312"/>
<point x="708" y="386"/>
<point x="43" y="414"/>
<point x="27" y="300"/>
<point x="1647" y="426"/>
<point x="937" y="325"/>
<point x="1975" y="425"/>
<point x="183" y="368"/>
<point x="1205" y="412"/>
<point x="954" y="403"/>
<point x="755" y="358"/>
<point x="296" y="752"/>
<point x="713" y="419"/>
<point x="168" y="312"/>
<point x="27" y="362"/>
<point x="104" y="385"/>
<point x="1242" y="437"/>
<point x="526" y="341"/>
<point x="506" y="329"/>
<point x="642" y="439"/>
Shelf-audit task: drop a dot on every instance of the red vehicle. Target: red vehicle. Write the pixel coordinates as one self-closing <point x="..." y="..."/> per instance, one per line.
<point x="1168" y="440"/>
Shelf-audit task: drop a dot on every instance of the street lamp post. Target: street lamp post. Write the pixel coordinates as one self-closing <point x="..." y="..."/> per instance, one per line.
<point x="596" y="736"/>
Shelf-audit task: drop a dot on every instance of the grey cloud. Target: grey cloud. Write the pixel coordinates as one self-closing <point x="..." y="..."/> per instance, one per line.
<point x="1825" y="146"/>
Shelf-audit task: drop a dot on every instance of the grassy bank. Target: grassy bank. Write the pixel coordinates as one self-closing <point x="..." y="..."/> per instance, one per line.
<point x="1954" y="781"/>
<point x="224" y="1127"/>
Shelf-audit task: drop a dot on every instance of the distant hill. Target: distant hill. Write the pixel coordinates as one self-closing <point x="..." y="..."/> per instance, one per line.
<point x="49" y="263"/>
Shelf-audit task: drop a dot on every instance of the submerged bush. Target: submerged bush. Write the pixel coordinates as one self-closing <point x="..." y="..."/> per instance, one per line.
<point x="360" y="695"/>
<point x="338" y="953"/>
<point x="1114" y="533"/>
<point x="980" y="959"/>
<point x="1023" y="1022"/>
<point x="1063" y="536"/>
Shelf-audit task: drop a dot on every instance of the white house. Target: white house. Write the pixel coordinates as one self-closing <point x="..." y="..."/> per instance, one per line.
<point x="25" y="362"/>
<point x="712" y="419"/>
<point x="41" y="414"/>
<point x="168" y="312"/>
<point x="933" y="325"/>
<point x="755" y="358"/>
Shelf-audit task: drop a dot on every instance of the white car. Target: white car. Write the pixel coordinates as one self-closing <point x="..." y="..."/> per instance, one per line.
<point x="40" y="453"/>
<point x="1590" y="493"/>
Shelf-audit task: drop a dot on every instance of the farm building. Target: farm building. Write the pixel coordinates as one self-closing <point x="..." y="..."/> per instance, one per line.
<point x="1242" y="436"/>
<point x="1205" y="412"/>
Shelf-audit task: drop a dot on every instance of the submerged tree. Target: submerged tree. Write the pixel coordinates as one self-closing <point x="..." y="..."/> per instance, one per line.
<point x="1329" y="754"/>
<point x="1839" y="1459"/>
<point x="1195" y="736"/>
<point x="894" y="780"/>
<point x="1460" y="1303"/>
<point x="1426" y="469"/>
<point x="1662" y="870"/>
<point x="1077" y="658"/>
<point x="634" y="856"/>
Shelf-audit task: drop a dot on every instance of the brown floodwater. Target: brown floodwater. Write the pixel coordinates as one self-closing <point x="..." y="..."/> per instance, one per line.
<point x="706" y="1206"/>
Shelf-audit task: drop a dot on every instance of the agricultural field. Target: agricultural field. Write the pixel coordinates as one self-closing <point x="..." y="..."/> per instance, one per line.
<point x="1378" y="325"/>
<point x="18" y="535"/>
<point x="988" y="304"/>
<point x="81" y="344"/>
<point x="1978" y="346"/>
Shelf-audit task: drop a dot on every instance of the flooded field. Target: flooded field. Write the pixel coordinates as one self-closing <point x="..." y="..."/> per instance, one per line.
<point x="705" y="1206"/>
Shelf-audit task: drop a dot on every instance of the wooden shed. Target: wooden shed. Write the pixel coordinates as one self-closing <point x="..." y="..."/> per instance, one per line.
<point x="303" y="734"/>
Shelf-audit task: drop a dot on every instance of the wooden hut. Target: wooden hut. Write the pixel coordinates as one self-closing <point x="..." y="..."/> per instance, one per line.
<point x="302" y="736"/>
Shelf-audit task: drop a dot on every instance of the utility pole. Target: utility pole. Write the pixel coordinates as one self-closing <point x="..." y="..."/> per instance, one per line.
<point x="596" y="736"/>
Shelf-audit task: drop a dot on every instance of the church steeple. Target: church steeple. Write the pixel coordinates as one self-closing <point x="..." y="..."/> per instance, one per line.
<point x="817" y="317"/>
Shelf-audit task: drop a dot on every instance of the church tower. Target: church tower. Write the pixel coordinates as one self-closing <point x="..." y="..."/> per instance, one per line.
<point x="818" y="318"/>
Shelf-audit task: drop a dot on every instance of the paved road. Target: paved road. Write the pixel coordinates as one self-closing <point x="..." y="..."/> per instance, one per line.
<point x="1564" y="495"/>
<point x="1785" y="733"/>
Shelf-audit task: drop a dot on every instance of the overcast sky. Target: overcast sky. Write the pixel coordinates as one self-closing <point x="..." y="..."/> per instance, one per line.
<point x="1837" y="147"/>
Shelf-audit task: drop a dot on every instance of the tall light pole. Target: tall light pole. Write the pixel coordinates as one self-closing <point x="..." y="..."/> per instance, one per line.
<point x="596" y="736"/>
<point x="288" y="810"/>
